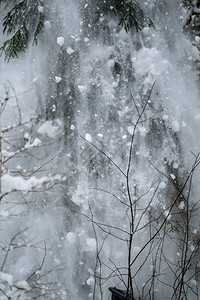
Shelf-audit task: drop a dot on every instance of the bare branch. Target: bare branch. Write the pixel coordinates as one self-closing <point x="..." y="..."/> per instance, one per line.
<point x="108" y="157"/>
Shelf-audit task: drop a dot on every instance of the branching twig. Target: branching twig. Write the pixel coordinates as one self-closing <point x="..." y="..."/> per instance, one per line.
<point x="41" y="265"/>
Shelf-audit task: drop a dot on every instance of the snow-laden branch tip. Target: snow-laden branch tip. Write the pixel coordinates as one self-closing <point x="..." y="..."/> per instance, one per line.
<point x="17" y="183"/>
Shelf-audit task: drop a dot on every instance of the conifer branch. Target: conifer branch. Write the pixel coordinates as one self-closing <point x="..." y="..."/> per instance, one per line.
<point x="25" y="21"/>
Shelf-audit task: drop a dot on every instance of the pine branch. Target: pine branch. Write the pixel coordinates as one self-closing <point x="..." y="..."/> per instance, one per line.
<point x="25" y="21"/>
<point x="18" y="43"/>
<point x="14" y="17"/>
<point x="39" y="28"/>
<point x="130" y="14"/>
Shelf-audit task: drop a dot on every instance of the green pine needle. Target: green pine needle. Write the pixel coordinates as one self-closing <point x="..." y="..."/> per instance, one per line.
<point x="24" y="22"/>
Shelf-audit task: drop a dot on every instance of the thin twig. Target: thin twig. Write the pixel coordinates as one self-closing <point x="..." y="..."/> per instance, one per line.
<point x="108" y="157"/>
